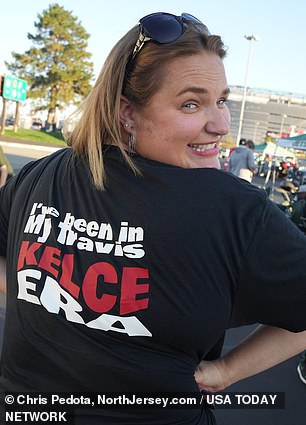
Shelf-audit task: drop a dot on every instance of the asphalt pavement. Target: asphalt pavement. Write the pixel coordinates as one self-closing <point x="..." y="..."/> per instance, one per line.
<point x="280" y="379"/>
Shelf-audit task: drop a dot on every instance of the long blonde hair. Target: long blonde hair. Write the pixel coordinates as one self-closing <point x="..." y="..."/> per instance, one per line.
<point x="99" y="121"/>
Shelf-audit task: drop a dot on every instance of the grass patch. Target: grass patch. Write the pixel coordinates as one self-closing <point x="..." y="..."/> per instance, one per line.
<point x="55" y="137"/>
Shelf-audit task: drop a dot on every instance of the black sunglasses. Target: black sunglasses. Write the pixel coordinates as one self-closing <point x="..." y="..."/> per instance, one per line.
<point x="163" y="28"/>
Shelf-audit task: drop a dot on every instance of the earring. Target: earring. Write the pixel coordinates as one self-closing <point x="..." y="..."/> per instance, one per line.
<point x="131" y="144"/>
<point x="126" y="125"/>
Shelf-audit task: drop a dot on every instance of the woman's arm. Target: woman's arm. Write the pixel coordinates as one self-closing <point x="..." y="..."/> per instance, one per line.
<point x="264" y="348"/>
<point x="2" y="275"/>
<point x="3" y="175"/>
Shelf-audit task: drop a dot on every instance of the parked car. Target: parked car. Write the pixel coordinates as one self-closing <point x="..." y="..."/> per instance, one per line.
<point x="37" y="125"/>
<point x="9" y="122"/>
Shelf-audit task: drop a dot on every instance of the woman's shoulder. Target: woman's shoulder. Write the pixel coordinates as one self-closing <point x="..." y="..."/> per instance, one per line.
<point x="60" y="155"/>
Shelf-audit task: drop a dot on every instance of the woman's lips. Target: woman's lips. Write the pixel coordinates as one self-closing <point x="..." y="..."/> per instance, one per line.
<point x="207" y="149"/>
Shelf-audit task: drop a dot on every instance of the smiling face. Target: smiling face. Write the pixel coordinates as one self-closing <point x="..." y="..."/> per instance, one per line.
<point x="185" y="119"/>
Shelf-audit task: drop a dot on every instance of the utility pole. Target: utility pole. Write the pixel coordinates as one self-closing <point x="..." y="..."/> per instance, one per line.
<point x="250" y="38"/>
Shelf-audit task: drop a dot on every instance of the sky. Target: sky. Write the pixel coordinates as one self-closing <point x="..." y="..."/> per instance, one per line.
<point x="277" y="61"/>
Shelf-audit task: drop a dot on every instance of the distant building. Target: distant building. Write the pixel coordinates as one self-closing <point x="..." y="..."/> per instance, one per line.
<point x="267" y="113"/>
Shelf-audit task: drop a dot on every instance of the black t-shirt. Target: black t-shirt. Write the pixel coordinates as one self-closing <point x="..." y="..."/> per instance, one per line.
<point x="127" y="289"/>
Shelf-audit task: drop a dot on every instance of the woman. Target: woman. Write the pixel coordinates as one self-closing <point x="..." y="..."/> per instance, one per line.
<point x="134" y="252"/>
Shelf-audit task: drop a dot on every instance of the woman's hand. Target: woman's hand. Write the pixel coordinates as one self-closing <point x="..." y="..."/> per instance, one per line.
<point x="212" y="376"/>
<point x="266" y="347"/>
<point x="2" y="275"/>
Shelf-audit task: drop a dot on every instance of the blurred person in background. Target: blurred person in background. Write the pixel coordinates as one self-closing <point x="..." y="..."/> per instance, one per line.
<point x="241" y="162"/>
<point x="302" y="368"/>
<point x="298" y="214"/>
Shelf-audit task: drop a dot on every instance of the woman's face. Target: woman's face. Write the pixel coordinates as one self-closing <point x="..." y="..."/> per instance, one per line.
<point x="183" y="123"/>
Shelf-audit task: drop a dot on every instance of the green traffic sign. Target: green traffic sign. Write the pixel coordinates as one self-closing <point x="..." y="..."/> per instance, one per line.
<point x="14" y="88"/>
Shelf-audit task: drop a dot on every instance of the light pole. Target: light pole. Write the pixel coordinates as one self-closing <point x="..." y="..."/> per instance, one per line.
<point x="255" y="131"/>
<point x="250" y="38"/>
<point x="282" y="125"/>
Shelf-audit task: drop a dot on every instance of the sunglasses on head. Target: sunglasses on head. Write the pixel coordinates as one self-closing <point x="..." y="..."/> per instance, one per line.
<point x="163" y="28"/>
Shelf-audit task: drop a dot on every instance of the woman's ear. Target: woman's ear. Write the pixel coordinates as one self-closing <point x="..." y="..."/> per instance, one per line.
<point x="126" y="113"/>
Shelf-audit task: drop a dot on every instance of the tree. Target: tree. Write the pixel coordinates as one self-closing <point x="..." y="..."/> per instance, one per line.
<point x="57" y="67"/>
<point x="227" y="141"/>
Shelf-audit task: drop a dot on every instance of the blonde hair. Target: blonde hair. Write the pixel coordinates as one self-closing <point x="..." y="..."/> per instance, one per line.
<point x="99" y="121"/>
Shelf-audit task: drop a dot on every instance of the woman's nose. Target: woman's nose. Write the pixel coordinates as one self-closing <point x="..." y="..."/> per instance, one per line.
<point x="218" y="122"/>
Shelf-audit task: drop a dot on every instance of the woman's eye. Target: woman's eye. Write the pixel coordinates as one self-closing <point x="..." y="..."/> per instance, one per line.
<point x="190" y="105"/>
<point x="223" y="101"/>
